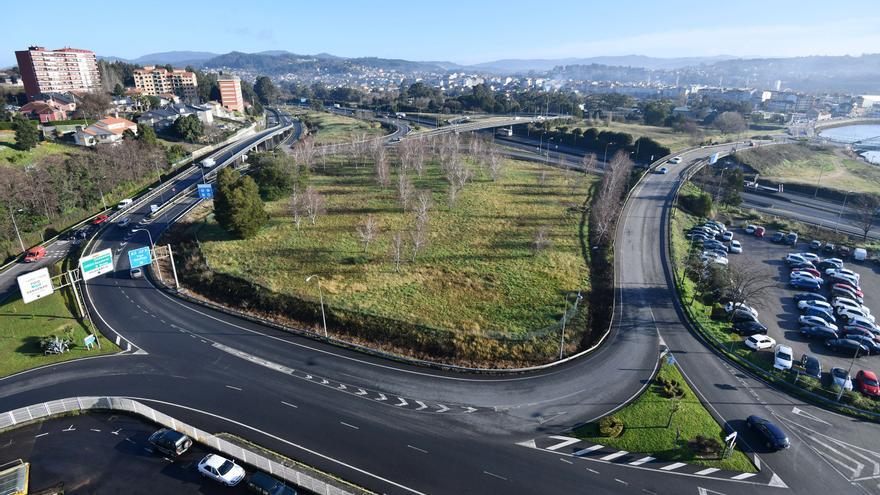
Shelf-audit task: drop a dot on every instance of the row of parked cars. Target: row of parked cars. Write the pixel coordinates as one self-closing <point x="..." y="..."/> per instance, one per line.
<point x="715" y="240"/>
<point x="174" y="444"/>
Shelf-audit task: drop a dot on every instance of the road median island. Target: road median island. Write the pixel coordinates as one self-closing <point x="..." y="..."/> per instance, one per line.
<point x="706" y="318"/>
<point x="487" y="286"/>
<point x="668" y="422"/>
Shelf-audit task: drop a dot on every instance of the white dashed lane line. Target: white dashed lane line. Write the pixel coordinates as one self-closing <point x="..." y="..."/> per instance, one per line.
<point x="418" y="449"/>
<point x="348" y="425"/>
<point x="233" y="388"/>
<point x="487" y="473"/>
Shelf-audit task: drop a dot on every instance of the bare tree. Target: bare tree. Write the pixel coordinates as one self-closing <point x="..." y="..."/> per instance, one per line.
<point x="423" y="205"/>
<point x="419" y="237"/>
<point x="404" y="189"/>
<point x="495" y="161"/>
<point x="589" y="162"/>
<point x="747" y="282"/>
<point x="542" y="176"/>
<point x="297" y="207"/>
<point x="397" y="245"/>
<point x="383" y="172"/>
<point x="368" y="230"/>
<point x="314" y="204"/>
<point x="304" y="152"/>
<point x="457" y="174"/>
<point x="606" y="207"/>
<point x="419" y="156"/>
<point x="867" y="208"/>
<point x="542" y="240"/>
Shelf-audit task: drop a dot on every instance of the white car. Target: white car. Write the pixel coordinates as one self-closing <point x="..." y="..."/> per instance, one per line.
<point x="782" y="357"/>
<point x="845" y="302"/>
<point x="815" y="304"/>
<point x="720" y="260"/>
<point x="849" y="313"/>
<point x="750" y="229"/>
<point x="736" y="247"/>
<point x="741" y="307"/>
<point x="757" y="342"/>
<point x="727" y="236"/>
<point x="122" y="204"/>
<point x="815" y="321"/>
<point x="840" y="378"/>
<point x="843" y="272"/>
<point x="805" y="275"/>
<point x="811" y="257"/>
<point x="221" y="469"/>
<point x="793" y="258"/>
<point x="675" y="160"/>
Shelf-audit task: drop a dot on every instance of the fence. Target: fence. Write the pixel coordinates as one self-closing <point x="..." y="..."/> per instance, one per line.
<point x="291" y="474"/>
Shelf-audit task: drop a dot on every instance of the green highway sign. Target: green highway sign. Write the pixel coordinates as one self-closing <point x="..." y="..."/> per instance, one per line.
<point x="96" y="264"/>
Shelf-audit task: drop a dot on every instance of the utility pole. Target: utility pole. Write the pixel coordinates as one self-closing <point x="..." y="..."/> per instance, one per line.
<point x="17" y="233"/>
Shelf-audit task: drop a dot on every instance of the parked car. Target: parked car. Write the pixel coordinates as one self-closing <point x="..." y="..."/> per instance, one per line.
<point x="750" y="229"/>
<point x="848" y="288"/>
<point x="749" y="328"/>
<point x="735" y="247"/>
<point x="782" y="359"/>
<point x="221" y="469"/>
<point x="805" y="265"/>
<point x="847" y="346"/>
<point x="868" y="341"/>
<point x="848" y="314"/>
<point x="791" y="238"/>
<point x="811" y="366"/>
<point x="777" y="237"/>
<point x="816" y="321"/>
<point x="741" y="306"/>
<point x="803" y="274"/>
<point x="170" y="442"/>
<point x="859" y="254"/>
<point x="811" y="257"/>
<point x="859" y="321"/>
<point x="758" y="342"/>
<point x="264" y="484"/>
<point x="809" y="296"/>
<point x="98" y="220"/>
<point x="816" y="244"/>
<point x="812" y="271"/>
<point x="824" y="333"/>
<point x="843" y="272"/>
<point x="759" y="232"/>
<point x="743" y="315"/>
<point x="815" y="304"/>
<point x="828" y="316"/>
<point x="844" y="251"/>
<point x="773" y="435"/>
<point x="727" y="236"/>
<point x="866" y="383"/>
<point x="841" y="279"/>
<point x="792" y="258"/>
<point x="34" y="254"/>
<point x="837" y="292"/>
<point x="845" y="302"/>
<point x="840" y="378"/>
<point x="804" y="284"/>
<point x="855" y="331"/>
<point x="828" y="247"/>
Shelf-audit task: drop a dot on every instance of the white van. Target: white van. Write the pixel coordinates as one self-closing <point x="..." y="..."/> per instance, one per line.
<point x="859" y="254"/>
<point x="208" y="163"/>
<point x="122" y="204"/>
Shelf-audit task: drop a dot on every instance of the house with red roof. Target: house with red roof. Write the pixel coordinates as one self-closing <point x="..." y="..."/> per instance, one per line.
<point x="43" y="111"/>
<point x="108" y="130"/>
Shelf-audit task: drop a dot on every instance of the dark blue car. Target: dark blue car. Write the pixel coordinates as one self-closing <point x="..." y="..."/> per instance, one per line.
<point x="776" y="438"/>
<point x="809" y="296"/>
<point x="812" y="367"/>
<point x="804" y="284"/>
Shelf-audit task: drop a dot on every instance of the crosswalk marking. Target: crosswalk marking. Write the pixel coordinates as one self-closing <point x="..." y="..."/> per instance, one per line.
<point x="641" y="461"/>
<point x="588" y="450"/>
<point x="615" y="455"/>
<point x="706" y="471"/>
<point x="742" y="476"/>
<point x="566" y="441"/>
<point x="673" y="466"/>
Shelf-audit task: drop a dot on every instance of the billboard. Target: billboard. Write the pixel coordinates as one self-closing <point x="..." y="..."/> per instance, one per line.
<point x="35" y="285"/>
<point x="96" y="264"/>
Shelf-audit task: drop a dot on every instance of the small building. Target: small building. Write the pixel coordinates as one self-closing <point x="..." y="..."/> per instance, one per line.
<point x="162" y="118"/>
<point x="42" y="111"/>
<point x="230" y="93"/>
<point x="108" y="130"/>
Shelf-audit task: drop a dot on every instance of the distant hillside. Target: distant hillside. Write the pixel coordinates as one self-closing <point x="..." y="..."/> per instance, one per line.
<point x="178" y="58"/>
<point x="275" y="63"/>
<point x="636" y="61"/>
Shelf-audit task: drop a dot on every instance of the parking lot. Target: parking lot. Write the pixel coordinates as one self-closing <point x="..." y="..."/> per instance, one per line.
<point x="104" y="453"/>
<point x="779" y="311"/>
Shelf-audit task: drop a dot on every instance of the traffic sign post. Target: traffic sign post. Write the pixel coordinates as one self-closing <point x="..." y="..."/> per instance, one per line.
<point x="206" y="191"/>
<point x="140" y="257"/>
<point x="35" y="285"/>
<point x="96" y="264"/>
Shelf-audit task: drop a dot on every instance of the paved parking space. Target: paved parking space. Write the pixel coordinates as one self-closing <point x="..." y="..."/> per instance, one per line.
<point x="104" y="453"/>
<point x="779" y="311"/>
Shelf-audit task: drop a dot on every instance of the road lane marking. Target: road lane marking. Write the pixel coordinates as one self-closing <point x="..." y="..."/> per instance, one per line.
<point x="707" y="471"/>
<point x="402" y="402"/>
<point x="565" y="460"/>
<point x="417" y="449"/>
<point x="348" y="425"/>
<point x="69" y="428"/>
<point x="588" y="450"/>
<point x="673" y="466"/>
<point x="290" y="405"/>
<point x="95" y="429"/>
<point x="593" y="471"/>
<point x="641" y="461"/>
<point x="421" y="405"/>
<point x="40" y="435"/>
<point x="621" y="481"/>
<point x="566" y="441"/>
<point x="742" y="476"/>
<point x="233" y="388"/>
<point x="615" y="455"/>
<point x="495" y="475"/>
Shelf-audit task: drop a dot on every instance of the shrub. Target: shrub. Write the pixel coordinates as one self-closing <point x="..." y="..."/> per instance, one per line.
<point x="705" y="445"/>
<point x="53" y="344"/>
<point x="610" y="426"/>
<point x="670" y="388"/>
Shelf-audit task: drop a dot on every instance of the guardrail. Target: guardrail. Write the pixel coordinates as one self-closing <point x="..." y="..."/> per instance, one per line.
<point x="291" y="474"/>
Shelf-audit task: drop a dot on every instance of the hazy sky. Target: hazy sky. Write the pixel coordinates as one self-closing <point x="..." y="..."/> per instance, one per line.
<point x="455" y="30"/>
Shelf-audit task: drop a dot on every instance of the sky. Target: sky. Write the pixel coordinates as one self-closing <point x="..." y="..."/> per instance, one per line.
<point x="454" y="30"/>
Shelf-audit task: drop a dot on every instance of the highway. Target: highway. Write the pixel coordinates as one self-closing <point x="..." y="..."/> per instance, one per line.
<point x="396" y="428"/>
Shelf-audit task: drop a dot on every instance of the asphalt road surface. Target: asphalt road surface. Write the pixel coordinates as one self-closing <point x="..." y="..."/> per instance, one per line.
<point x="395" y="428"/>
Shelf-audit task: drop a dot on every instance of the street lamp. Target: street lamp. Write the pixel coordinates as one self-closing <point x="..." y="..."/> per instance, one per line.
<point x="840" y="213"/>
<point x="849" y="372"/>
<point x="321" y="293"/>
<point x="150" y="237"/>
<point x="17" y="233"/>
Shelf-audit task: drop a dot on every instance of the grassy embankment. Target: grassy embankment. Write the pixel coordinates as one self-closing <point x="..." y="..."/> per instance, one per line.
<point x="479" y="272"/>
<point x="12" y="156"/>
<point x="330" y="128"/>
<point x="802" y="164"/>
<point x="648" y="427"/>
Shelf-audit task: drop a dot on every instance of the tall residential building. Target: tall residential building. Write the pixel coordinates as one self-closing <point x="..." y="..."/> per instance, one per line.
<point x="230" y="93"/>
<point x="158" y="80"/>
<point x="66" y="69"/>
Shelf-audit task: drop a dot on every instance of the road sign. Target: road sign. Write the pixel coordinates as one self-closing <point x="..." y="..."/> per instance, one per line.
<point x="90" y="341"/>
<point x="670" y="359"/>
<point x="205" y="191"/>
<point x="139" y="257"/>
<point x="96" y="264"/>
<point x="35" y="285"/>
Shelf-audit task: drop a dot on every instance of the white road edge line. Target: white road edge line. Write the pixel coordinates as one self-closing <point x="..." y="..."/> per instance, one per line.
<point x="233" y="388"/>
<point x="348" y="425"/>
<point x="417" y="449"/>
<point x="289" y="404"/>
<point x="495" y="475"/>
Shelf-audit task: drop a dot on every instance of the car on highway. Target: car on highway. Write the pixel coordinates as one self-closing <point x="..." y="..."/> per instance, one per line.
<point x="809" y="296"/>
<point x="98" y="220"/>
<point x="811" y="366"/>
<point x="746" y="328"/>
<point x="773" y="435"/>
<point x="170" y="442"/>
<point x="34" y="254"/>
<point x="840" y="378"/>
<point x="804" y="284"/>
<point x="824" y="333"/>
<point x="675" y="160"/>
<point x="866" y="383"/>
<point x="758" y="342"/>
<point x="122" y="204"/>
<point x="806" y="320"/>
<point x="137" y="272"/>
<point x="735" y="247"/>
<point x="123" y="222"/>
<point x="750" y="229"/>
<point x="662" y="170"/>
<point x="849" y="347"/>
<point x="221" y="469"/>
<point x="782" y="357"/>
<point x="760" y="231"/>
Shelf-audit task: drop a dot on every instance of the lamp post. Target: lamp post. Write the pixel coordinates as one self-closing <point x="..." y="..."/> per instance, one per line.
<point x="849" y="371"/>
<point x="15" y="225"/>
<point x="321" y="294"/>
<point x="840" y="213"/>
<point x="150" y="237"/>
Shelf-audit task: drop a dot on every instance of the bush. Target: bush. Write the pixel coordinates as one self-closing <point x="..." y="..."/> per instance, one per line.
<point x="670" y="388"/>
<point x="610" y="426"/>
<point x="53" y="344"/>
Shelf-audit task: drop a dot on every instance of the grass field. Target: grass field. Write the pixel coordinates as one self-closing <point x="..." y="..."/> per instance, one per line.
<point x="666" y="136"/>
<point x="801" y="164"/>
<point x="647" y="427"/>
<point x="478" y="272"/>
<point x="329" y="128"/>
<point x="9" y="155"/>
<point x="24" y="324"/>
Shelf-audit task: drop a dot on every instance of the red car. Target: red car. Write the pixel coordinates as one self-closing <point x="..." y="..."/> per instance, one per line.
<point x="100" y="219"/>
<point x="811" y="271"/>
<point x="759" y="232"/>
<point x="866" y="383"/>
<point x="848" y="287"/>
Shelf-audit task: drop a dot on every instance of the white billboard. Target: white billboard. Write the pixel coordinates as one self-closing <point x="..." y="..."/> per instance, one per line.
<point x="96" y="264"/>
<point x="35" y="285"/>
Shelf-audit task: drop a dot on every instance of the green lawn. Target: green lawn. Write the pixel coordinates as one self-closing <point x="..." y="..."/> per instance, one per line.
<point x="10" y="155"/>
<point x="802" y="164"/>
<point x="478" y="272"/>
<point x="24" y="324"/>
<point x="329" y="128"/>
<point x="648" y="429"/>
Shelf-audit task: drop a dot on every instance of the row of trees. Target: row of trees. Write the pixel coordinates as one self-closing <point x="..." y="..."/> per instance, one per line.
<point x="643" y="149"/>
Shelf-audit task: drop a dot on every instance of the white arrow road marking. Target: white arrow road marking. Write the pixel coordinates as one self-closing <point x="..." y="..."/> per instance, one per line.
<point x="342" y="387"/>
<point x="324" y="382"/>
<point x="361" y="392"/>
<point x="528" y="443"/>
<point x="468" y="409"/>
<point x="706" y="491"/>
<point x="421" y="405"/>
<point x="566" y="441"/>
<point x="402" y="402"/>
<point x="382" y="397"/>
<point x="855" y="470"/>
<point x="800" y="412"/>
<point x="777" y="482"/>
<point x="309" y="377"/>
<point x="442" y="408"/>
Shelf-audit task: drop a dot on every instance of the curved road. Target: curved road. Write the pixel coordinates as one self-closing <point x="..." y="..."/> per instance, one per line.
<point x="400" y="429"/>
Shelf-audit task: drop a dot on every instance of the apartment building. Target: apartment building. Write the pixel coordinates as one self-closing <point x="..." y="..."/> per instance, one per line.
<point x="65" y="69"/>
<point x="230" y="93"/>
<point x="155" y="81"/>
